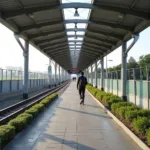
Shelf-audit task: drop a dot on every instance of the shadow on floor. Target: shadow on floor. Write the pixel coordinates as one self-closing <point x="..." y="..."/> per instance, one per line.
<point x="68" y="143"/>
<point x="85" y="112"/>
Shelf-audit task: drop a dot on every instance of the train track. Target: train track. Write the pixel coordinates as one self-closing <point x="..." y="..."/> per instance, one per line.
<point x="12" y="111"/>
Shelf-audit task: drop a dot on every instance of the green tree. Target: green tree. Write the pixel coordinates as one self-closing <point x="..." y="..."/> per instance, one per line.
<point x="132" y="63"/>
<point x="144" y="60"/>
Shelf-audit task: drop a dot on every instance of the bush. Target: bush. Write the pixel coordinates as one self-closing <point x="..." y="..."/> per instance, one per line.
<point x="112" y="101"/>
<point x="7" y="133"/>
<point x="121" y="111"/>
<point x="29" y="117"/>
<point x="106" y="98"/>
<point x="40" y="107"/>
<point x="115" y="106"/>
<point x="131" y="114"/>
<point x="45" y="102"/>
<point x="32" y="111"/>
<point x="19" y="123"/>
<point x="148" y="136"/>
<point x="144" y="113"/>
<point x="141" y="124"/>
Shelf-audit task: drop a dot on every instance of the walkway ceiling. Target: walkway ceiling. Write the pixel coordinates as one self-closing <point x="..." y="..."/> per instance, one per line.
<point x="42" y="22"/>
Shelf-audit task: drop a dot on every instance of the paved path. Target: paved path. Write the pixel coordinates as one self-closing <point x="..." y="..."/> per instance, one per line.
<point x="66" y="125"/>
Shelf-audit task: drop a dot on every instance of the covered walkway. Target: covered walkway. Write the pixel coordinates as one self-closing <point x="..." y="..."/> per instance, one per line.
<point x="66" y="125"/>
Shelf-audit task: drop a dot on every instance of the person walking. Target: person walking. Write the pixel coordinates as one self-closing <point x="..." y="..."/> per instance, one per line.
<point x="81" y="84"/>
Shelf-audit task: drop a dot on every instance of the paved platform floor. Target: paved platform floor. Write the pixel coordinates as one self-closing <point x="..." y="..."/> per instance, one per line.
<point x="66" y="125"/>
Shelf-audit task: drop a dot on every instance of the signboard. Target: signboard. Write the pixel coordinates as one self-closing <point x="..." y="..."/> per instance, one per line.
<point x="49" y="70"/>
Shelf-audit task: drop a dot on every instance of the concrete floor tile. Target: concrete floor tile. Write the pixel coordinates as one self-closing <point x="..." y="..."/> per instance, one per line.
<point x="66" y="125"/>
<point x="70" y="147"/>
<point x="54" y="147"/>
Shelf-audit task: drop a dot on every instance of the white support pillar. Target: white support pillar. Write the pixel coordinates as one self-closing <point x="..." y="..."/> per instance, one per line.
<point x="91" y="75"/>
<point x="87" y="76"/>
<point x="124" y="71"/>
<point x="55" y="73"/>
<point x="50" y="74"/>
<point x="59" y="75"/>
<point x="26" y="70"/>
<point x="63" y="75"/>
<point x="96" y="73"/>
<point x="102" y="74"/>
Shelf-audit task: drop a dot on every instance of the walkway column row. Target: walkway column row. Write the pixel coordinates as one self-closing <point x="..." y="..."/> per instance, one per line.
<point x="125" y="51"/>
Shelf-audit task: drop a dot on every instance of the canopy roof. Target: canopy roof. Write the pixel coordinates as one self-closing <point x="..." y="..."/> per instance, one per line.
<point x="42" y="22"/>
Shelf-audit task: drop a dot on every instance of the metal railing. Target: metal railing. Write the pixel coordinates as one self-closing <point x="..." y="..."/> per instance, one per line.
<point x="12" y="80"/>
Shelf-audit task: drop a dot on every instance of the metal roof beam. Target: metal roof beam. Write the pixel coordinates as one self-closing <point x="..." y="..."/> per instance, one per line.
<point x="110" y="24"/>
<point x="75" y="44"/>
<point x="57" y="52"/>
<point x="56" y="46"/>
<point x="78" y="36"/>
<point x="102" y="40"/>
<point x="41" y="42"/>
<point x="56" y="49"/>
<point x="85" y="49"/>
<point x="97" y="45"/>
<point x="54" y="55"/>
<point x="34" y="36"/>
<point x="45" y="47"/>
<point x="105" y="6"/>
<point x="105" y="34"/>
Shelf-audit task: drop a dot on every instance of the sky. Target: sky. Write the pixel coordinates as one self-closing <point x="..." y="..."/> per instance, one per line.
<point x="12" y="55"/>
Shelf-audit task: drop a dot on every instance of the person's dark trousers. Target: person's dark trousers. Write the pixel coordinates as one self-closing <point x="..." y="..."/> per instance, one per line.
<point x="82" y="94"/>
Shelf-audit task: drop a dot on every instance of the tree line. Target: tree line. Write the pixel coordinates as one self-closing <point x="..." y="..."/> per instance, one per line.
<point x="143" y="61"/>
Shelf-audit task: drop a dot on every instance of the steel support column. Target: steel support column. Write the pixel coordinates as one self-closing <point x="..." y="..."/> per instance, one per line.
<point x="91" y="75"/>
<point x="102" y="74"/>
<point x="87" y="76"/>
<point x="55" y="73"/>
<point x="124" y="71"/>
<point x="26" y="70"/>
<point x="49" y="75"/>
<point x="96" y="73"/>
<point x="59" y="75"/>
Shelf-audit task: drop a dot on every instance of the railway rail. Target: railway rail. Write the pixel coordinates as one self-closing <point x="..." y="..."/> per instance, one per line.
<point x="12" y="111"/>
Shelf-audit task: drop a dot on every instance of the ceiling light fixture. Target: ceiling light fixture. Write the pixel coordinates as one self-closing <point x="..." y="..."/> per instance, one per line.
<point x="76" y="26"/>
<point x="76" y="14"/>
<point x="120" y="16"/>
<point x="31" y="15"/>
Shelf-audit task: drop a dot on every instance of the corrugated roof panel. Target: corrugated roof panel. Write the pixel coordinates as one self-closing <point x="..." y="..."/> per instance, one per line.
<point x="47" y="16"/>
<point x="99" y="27"/>
<point x="52" y="27"/>
<point x="6" y="5"/>
<point x="30" y="3"/>
<point x="104" y="15"/>
<point x="26" y="21"/>
<point x="143" y="5"/>
<point x="130" y="20"/>
<point x="122" y="3"/>
<point x="120" y="32"/>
